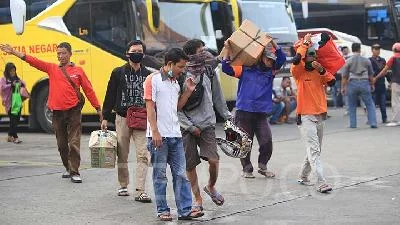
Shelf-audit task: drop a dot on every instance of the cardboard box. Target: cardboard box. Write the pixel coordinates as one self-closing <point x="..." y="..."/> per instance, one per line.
<point x="103" y="149"/>
<point x="247" y="44"/>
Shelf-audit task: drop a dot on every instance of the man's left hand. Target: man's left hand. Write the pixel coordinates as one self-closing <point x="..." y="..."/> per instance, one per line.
<point x="190" y="84"/>
<point x="316" y="65"/>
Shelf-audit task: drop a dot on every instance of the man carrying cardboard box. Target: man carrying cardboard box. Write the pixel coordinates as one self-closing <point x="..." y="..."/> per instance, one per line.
<point x="254" y="100"/>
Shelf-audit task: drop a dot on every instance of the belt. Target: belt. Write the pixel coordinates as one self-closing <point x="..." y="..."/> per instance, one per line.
<point x="359" y="79"/>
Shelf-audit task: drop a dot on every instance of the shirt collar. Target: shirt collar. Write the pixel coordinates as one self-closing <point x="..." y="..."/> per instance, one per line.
<point x="164" y="76"/>
<point x="69" y="64"/>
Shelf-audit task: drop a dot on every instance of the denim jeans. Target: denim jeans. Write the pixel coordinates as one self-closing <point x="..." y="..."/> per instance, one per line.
<point x="360" y="88"/>
<point x="277" y="109"/>
<point x="380" y="100"/>
<point x="337" y="97"/>
<point x="171" y="152"/>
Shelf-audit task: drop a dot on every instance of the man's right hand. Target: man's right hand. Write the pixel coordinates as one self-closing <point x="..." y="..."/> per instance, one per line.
<point x="104" y="125"/>
<point x="157" y="139"/>
<point x="7" y="48"/>
<point x="196" y="132"/>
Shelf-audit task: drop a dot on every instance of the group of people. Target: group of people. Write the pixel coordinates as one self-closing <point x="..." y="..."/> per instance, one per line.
<point x="362" y="80"/>
<point x="179" y="102"/>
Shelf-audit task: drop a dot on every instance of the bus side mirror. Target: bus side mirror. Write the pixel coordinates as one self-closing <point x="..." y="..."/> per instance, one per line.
<point x="18" y="15"/>
<point x="153" y="15"/>
<point x="304" y="8"/>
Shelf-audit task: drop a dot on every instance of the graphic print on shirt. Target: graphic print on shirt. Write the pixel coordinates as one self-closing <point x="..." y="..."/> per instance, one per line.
<point x="132" y="91"/>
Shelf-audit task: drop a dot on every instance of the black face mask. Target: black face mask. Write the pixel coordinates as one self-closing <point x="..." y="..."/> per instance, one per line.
<point x="136" y="57"/>
<point x="309" y="66"/>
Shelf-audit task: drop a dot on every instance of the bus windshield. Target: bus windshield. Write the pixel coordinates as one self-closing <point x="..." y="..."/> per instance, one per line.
<point x="186" y="21"/>
<point x="272" y="17"/>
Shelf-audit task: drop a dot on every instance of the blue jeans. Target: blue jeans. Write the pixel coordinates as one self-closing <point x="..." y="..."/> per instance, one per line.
<point x="380" y="100"/>
<point x="360" y="88"/>
<point x="277" y="109"/>
<point x="171" y="152"/>
<point x="337" y="97"/>
<point x="293" y="105"/>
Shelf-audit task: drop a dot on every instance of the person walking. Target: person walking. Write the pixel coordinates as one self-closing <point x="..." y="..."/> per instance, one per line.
<point x="198" y="123"/>
<point x="66" y="102"/>
<point x="254" y="102"/>
<point x="10" y="83"/>
<point x="394" y="64"/>
<point x="163" y="100"/>
<point x="357" y="82"/>
<point x="378" y="63"/>
<point x="311" y="80"/>
<point x="124" y="91"/>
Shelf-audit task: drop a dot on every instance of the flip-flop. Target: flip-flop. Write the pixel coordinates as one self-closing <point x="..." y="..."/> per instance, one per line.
<point x="324" y="188"/>
<point x="192" y="215"/>
<point x="197" y="208"/>
<point x="165" y="217"/>
<point x="216" y="198"/>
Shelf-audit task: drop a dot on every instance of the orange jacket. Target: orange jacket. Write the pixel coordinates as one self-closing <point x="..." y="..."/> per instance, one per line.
<point x="311" y="96"/>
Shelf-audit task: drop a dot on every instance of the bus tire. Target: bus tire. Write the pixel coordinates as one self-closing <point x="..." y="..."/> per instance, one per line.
<point x="43" y="114"/>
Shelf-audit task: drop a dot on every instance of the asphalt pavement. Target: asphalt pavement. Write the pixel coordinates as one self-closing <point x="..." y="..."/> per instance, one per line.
<point x="363" y="165"/>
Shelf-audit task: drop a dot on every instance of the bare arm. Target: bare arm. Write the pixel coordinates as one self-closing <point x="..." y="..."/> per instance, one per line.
<point x="190" y="86"/>
<point x="10" y="50"/>
<point x="151" y="117"/>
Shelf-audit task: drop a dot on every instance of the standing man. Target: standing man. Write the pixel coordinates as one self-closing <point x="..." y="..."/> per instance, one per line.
<point x="394" y="64"/>
<point x="124" y="90"/>
<point x="163" y="100"/>
<point x="311" y="79"/>
<point x="378" y="63"/>
<point x="65" y="103"/>
<point x="198" y="124"/>
<point x="254" y="102"/>
<point x="358" y="81"/>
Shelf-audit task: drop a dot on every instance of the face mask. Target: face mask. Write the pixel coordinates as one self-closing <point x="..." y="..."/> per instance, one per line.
<point x="170" y="74"/>
<point x="136" y="57"/>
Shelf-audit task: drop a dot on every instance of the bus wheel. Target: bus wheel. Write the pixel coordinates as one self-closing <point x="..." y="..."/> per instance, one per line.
<point x="43" y="114"/>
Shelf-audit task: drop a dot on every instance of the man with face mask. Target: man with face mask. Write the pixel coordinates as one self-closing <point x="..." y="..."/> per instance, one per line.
<point x="254" y="102"/>
<point x="311" y="80"/>
<point x="124" y="90"/>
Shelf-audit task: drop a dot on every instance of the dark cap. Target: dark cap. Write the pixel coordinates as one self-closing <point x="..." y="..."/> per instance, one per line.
<point x="375" y="46"/>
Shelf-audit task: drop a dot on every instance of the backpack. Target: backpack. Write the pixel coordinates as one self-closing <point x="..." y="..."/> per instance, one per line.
<point x="197" y="96"/>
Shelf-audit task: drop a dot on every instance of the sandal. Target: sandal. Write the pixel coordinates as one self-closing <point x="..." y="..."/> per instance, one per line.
<point x="197" y="208"/>
<point x="324" y="188"/>
<point x="17" y="141"/>
<point x="10" y="139"/>
<point x="123" y="191"/>
<point x="216" y="197"/>
<point x="165" y="217"/>
<point x="143" y="197"/>
<point x="192" y="215"/>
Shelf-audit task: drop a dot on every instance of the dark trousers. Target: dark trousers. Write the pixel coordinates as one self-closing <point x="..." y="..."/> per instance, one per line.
<point x="256" y="123"/>
<point x="380" y="100"/>
<point x="14" y="120"/>
<point x="67" y="126"/>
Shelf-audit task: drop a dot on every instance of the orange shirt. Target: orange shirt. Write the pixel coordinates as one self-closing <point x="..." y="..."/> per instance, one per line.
<point x="311" y="96"/>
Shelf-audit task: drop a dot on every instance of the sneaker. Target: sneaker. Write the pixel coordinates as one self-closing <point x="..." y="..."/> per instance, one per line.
<point x="76" y="179"/>
<point x="305" y="181"/>
<point x="393" y="124"/>
<point x="66" y="174"/>
<point x="266" y="173"/>
<point x="248" y="175"/>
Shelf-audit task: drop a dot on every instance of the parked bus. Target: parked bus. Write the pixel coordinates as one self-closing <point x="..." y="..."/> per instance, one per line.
<point x="98" y="31"/>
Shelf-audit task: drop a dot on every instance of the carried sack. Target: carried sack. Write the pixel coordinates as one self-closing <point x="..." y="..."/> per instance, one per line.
<point x="16" y="100"/>
<point x="81" y="98"/>
<point x="136" y="118"/>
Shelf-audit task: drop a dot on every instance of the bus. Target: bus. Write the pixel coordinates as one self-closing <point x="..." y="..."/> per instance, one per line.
<point x="98" y="31"/>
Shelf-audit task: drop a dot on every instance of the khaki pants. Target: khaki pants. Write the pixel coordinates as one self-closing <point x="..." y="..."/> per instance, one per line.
<point x="311" y="130"/>
<point x="396" y="101"/>
<point x="124" y="134"/>
<point x="67" y="126"/>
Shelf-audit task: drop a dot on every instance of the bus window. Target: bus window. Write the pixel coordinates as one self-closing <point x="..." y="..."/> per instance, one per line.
<point x="77" y="21"/>
<point x="5" y="14"/>
<point x="110" y="25"/>
<point x="34" y="7"/>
